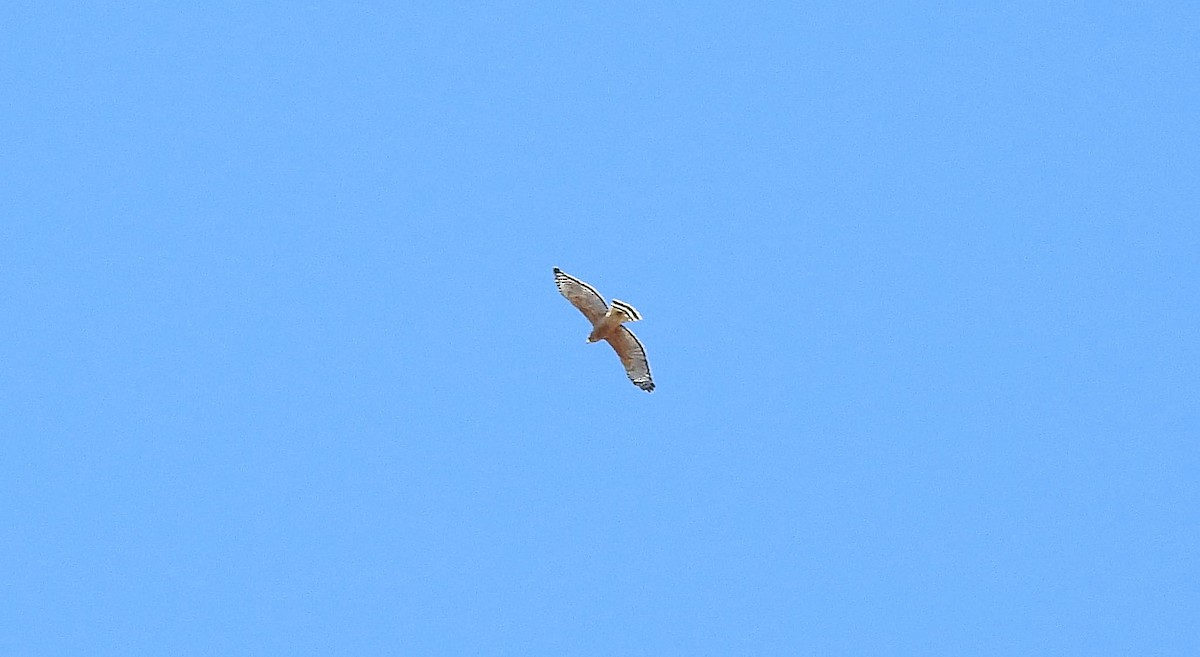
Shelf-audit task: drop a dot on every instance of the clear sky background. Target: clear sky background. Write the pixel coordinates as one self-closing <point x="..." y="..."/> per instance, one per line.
<point x="283" y="369"/>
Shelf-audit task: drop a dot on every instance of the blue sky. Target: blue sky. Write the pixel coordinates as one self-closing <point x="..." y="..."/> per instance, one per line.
<point x="285" y="371"/>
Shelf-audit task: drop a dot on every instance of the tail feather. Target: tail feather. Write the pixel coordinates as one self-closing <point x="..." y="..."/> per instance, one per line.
<point x="627" y="310"/>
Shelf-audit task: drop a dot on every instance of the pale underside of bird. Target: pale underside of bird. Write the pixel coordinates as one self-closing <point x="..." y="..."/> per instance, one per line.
<point x="607" y="325"/>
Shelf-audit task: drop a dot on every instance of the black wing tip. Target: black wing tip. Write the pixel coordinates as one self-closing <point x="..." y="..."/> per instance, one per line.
<point x="557" y="270"/>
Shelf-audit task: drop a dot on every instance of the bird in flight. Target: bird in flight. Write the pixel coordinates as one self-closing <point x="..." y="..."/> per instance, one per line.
<point x="607" y="325"/>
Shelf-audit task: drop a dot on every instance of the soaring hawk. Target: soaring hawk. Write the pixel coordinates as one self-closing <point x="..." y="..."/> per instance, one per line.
<point x="606" y="325"/>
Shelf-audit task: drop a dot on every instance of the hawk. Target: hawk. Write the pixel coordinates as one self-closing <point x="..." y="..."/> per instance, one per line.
<point x="606" y="325"/>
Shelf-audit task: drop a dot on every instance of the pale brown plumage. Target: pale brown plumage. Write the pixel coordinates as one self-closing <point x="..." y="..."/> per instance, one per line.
<point x="606" y="325"/>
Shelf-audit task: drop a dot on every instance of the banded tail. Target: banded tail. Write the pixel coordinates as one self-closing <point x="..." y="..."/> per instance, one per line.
<point x="627" y="310"/>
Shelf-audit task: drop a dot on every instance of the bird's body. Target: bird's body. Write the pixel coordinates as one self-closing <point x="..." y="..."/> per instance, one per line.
<point x="604" y="328"/>
<point x="607" y="325"/>
<point x="618" y="314"/>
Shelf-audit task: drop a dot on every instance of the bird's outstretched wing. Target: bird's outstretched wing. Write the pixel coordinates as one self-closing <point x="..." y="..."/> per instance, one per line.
<point x="581" y="295"/>
<point x="633" y="357"/>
